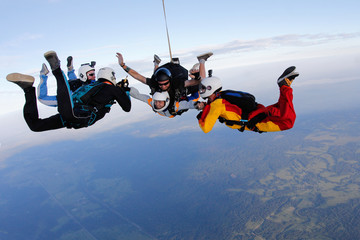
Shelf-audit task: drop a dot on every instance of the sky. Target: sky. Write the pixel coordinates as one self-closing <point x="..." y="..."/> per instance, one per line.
<point x="252" y="42"/>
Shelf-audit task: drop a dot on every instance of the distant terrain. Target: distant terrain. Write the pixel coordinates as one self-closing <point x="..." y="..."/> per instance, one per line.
<point x="298" y="184"/>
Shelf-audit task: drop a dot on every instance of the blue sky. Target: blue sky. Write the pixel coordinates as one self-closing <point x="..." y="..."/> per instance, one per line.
<point x="252" y="41"/>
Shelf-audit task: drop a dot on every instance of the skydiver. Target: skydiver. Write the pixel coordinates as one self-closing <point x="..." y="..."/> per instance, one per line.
<point x="81" y="115"/>
<point x="277" y="117"/>
<point x="160" y="103"/>
<point x="86" y="76"/>
<point x="162" y="79"/>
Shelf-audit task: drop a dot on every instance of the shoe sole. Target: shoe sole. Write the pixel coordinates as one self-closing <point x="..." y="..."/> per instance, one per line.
<point x="207" y="55"/>
<point x="50" y="53"/>
<point x="157" y="59"/>
<point x="18" y="77"/>
<point x="289" y="72"/>
<point x="69" y="61"/>
<point x="196" y="67"/>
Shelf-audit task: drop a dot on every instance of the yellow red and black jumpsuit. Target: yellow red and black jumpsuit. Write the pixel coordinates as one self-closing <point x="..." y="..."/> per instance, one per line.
<point x="279" y="116"/>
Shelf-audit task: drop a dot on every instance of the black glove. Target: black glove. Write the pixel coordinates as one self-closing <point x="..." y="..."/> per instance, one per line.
<point x="199" y="115"/>
<point x="124" y="84"/>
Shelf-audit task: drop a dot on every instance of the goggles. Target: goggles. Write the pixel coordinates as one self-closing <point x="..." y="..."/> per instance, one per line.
<point x="91" y="74"/>
<point x="203" y="88"/>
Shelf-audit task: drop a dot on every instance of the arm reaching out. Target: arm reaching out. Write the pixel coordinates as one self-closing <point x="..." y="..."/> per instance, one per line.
<point x="132" y="72"/>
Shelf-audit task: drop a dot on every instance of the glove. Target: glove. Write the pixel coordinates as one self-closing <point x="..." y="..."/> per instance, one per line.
<point x="199" y="115"/>
<point x="199" y="105"/>
<point x="124" y="84"/>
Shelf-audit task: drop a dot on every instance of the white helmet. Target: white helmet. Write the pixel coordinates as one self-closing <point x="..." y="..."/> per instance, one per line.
<point x="209" y="85"/>
<point x="160" y="96"/>
<point x="83" y="70"/>
<point x="107" y="74"/>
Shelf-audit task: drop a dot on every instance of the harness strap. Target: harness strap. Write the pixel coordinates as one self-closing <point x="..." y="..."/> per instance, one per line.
<point x="245" y="123"/>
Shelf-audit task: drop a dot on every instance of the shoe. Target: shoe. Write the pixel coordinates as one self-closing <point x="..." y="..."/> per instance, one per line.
<point x="157" y="59"/>
<point x="70" y="63"/>
<point x="175" y="60"/>
<point x="24" y="81"/>
<point x="195" y="68"/>
<point x="92" y="64"/>
<point x="52" y="59"/>
<point x="44" y="70"/>
<point x="204" y="56"/>
<point x="287" y="77"/>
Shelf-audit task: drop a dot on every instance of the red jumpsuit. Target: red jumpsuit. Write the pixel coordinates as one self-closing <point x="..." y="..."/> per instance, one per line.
<point x="280" y="116"/>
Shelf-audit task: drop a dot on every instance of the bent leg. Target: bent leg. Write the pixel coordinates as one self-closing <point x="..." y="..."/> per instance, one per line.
<point x="31" y="114"/>
<point x="42" y="92"/>
<point x="283" y="113"/>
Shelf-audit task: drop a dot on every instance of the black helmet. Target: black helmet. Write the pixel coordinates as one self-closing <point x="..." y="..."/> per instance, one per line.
<point x="162" y="74"/>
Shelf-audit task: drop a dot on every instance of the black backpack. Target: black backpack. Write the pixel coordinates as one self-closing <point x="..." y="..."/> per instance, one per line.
<point x="243" y="100"/>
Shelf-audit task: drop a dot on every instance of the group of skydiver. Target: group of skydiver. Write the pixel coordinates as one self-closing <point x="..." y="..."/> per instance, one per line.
<point x="83" y="100"/>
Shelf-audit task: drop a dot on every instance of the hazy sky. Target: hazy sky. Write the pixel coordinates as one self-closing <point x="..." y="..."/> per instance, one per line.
<point x="252" y="41"/>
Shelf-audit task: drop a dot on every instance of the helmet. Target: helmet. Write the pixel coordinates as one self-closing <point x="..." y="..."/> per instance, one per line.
<point x="83" y="70"/>
<point x="160" y="96"/>
<point x="107" y="74"/>
<point x="162" y="74"/>
<point x="209" y="85"/>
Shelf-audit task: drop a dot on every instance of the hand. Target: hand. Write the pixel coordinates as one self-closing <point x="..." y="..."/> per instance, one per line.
<point x="123" y="83"/>
<point x="199" y="105"/>
<point x="120" y="59"/>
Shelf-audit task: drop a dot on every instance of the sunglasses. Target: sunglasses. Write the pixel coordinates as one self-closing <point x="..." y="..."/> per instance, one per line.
<point x="163" y="84"/>
<point x="91" y="74"/>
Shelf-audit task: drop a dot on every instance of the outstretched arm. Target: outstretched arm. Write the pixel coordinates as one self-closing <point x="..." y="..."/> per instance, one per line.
<point x="132" y="72"/>
<point x="136" y="94"/>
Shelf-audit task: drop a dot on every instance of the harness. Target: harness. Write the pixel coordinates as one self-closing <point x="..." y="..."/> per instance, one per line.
<point x="247" y="103"/>
<point x="250" y="124"/>
<point x="84" y="107"/>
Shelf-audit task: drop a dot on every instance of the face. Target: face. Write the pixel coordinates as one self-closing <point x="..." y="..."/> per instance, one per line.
<point x="159" y="104"/>
<point x="211" y="98"/>
<point x="164" y="85"/>
<point x="91" y="75"/>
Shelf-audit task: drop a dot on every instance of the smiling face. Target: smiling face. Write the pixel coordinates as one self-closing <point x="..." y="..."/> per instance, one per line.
<point x="159" y="104"/>
<point x="164" y="85"/>
<point x="91" y="75"/>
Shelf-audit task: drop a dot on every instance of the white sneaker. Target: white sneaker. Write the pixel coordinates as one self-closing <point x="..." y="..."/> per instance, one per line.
<point x="157" y="59"/>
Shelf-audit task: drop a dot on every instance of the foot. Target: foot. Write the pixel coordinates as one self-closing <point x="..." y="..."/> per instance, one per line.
<point x="204" y="56"/>
<point x="157" y="59"/>
<point x="44" y="70"/>
<point x="195" y="68"/>
<point x="175" y="60"/>
<point x="24" y="81"/>
<point x="70" y="63"/>
<point x="287" y="77"/>
<point x="52" y="59"/>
